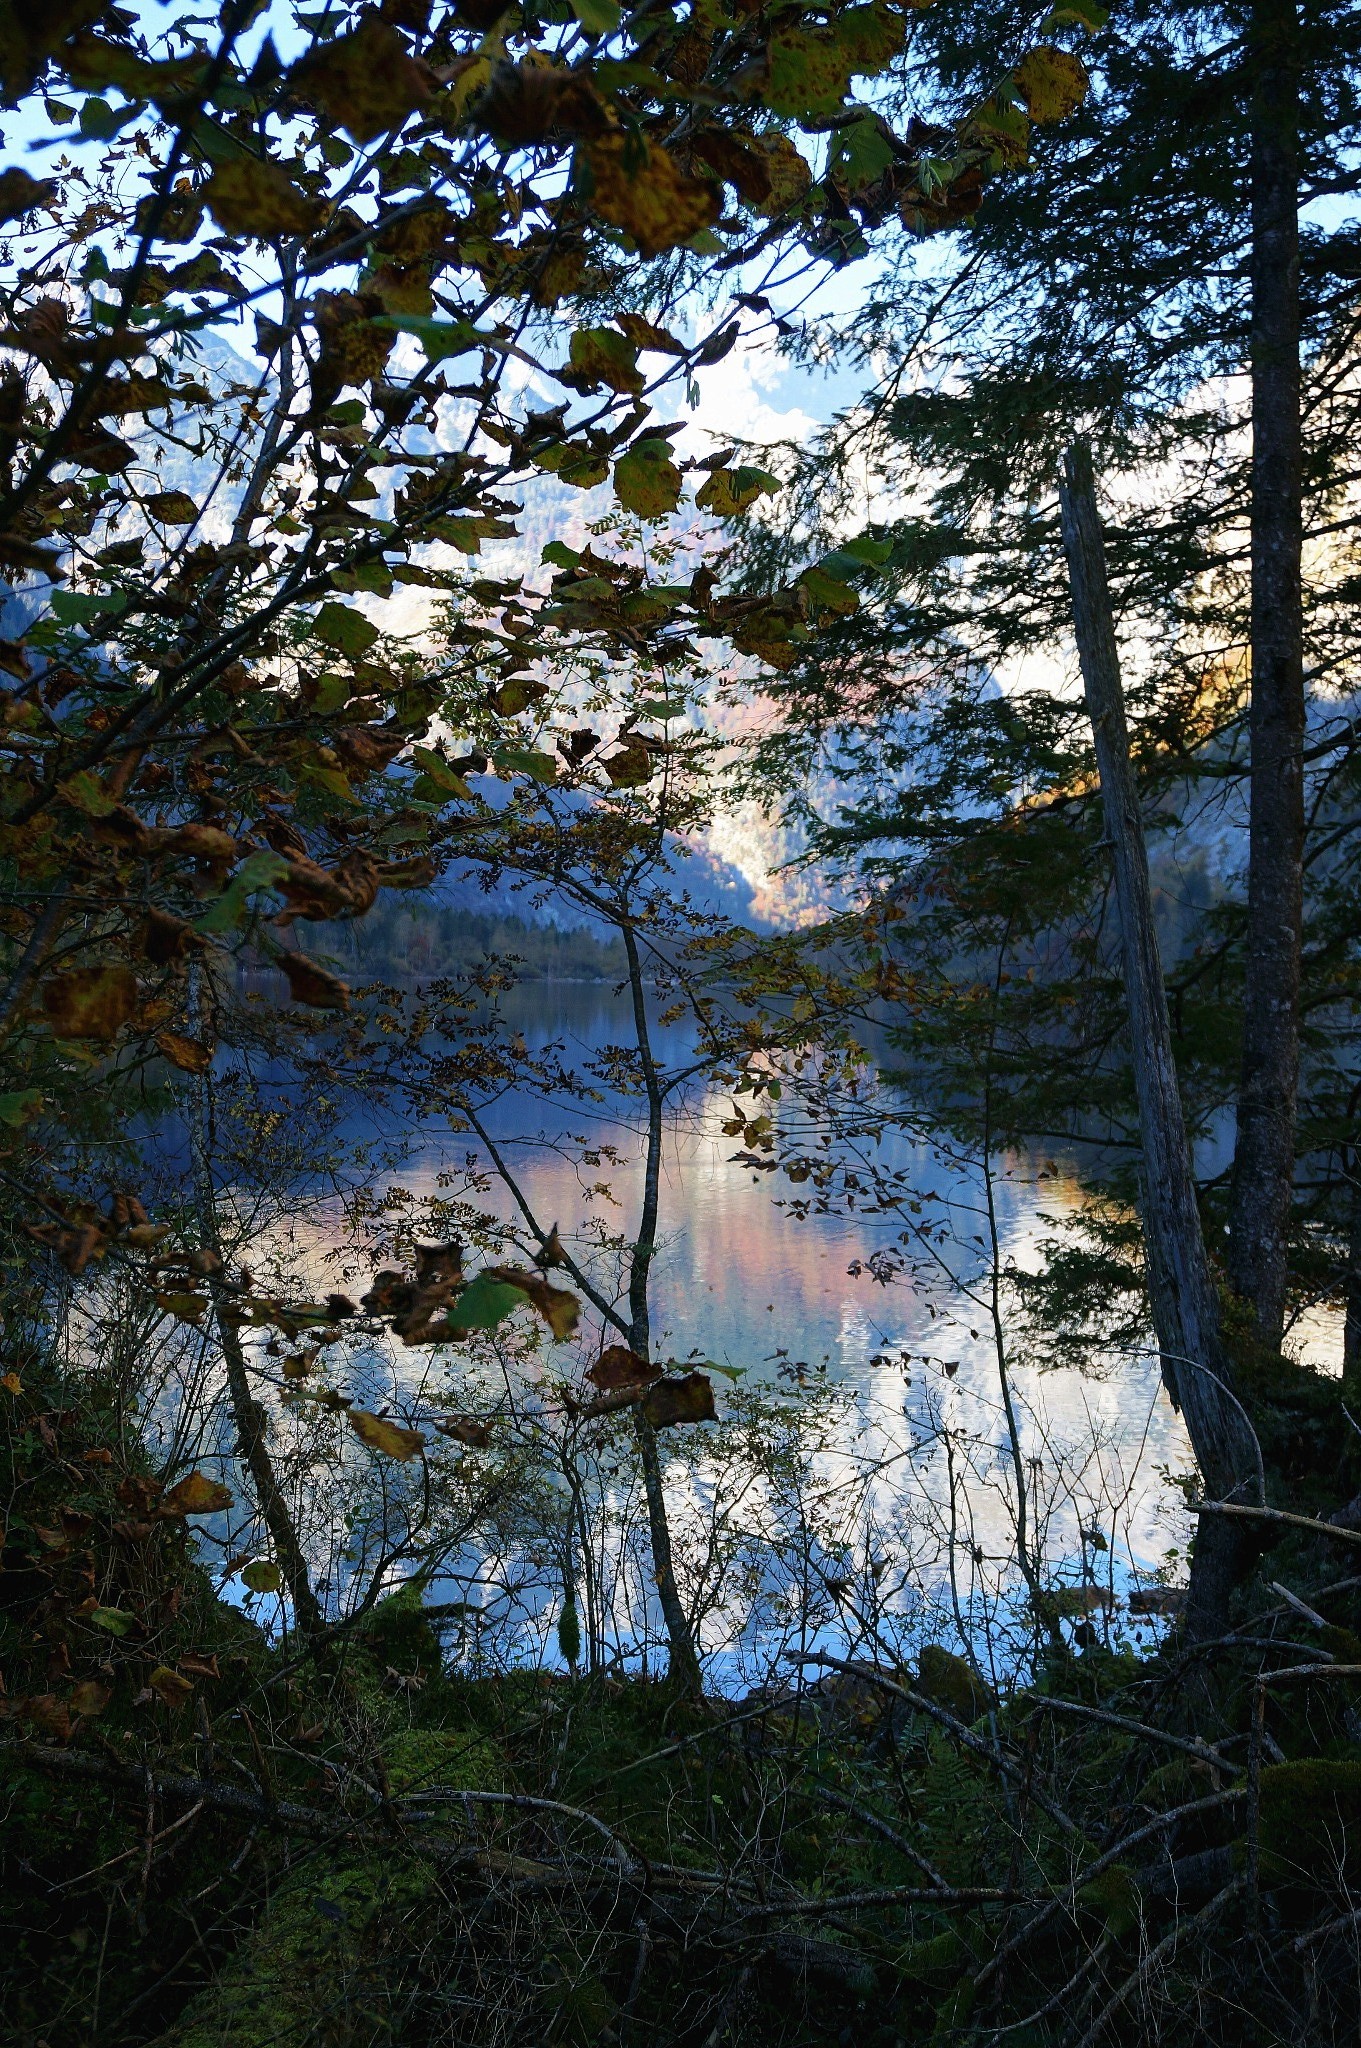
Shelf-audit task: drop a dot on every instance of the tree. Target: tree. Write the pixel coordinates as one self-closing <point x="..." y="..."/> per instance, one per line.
<point x="1110" y="287"/>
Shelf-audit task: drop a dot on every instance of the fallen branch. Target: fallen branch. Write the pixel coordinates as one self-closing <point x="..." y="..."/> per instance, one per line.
<point x="1203" y="1752"/>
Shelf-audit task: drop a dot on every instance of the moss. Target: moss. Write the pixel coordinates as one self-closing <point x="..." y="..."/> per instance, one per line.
<point x="953" y="1684"/>
<point x="1115" y="1897"/>
<point x="422" y="1757"/>
<point x="318" y="1969"/>
<point x="1311" y="1823"/>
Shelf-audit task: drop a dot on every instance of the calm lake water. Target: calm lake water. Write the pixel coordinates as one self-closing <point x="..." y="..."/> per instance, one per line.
<point x="920" y="1452"/>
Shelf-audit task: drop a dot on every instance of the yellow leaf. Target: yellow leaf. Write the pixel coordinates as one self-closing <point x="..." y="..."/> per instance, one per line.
<point x="188" y="1054"/>
<point x="12" y="1383"/>
<point x="169" y="1686"/>
<point x="250" y="197"/>
<point x="1052" y="83"/>
<point x="90" y="1002"/>
<point x="388" y="1437"/>
<point x="89" y="1698"/>
<point x="652" y="200"/>
<point x="367" y="82"/>
<point x="262" y="1576"/>
<point x="198" y="1495"/>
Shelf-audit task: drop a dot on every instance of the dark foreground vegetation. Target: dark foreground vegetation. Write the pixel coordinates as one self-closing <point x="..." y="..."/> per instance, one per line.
<point x="212" y="1840"/>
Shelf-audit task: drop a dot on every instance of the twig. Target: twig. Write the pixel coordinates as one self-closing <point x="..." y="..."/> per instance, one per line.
<point x="1177" y="1933"/>
<point x="1229" y="1507"/>
<point x="1204" y="1752"/>
<point x="993" y="1757"/>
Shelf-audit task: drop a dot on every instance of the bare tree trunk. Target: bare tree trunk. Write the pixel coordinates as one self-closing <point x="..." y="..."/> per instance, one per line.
<point x="1264" y="1153"/>
<point x="684" y="1665"/>
<point x="247" y="1412"/>
<point x="1185" y="1305"/>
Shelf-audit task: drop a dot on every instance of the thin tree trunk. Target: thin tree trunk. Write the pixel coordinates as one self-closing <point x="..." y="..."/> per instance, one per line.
<point x="684" y="1665"/>
<point x="1264" y="1153"/>
<point x="247" y="1412"/>
<point x="1181" y="1285"/>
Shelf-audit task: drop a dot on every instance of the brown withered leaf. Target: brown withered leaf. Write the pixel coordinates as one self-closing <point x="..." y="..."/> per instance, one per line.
<point x="645" y="335"/>
<point x="618" y="1366"/>
<point x="49" y="1713"/>
<point x="197" y="1494"/>
<point x="197" y="842"/>
<point x="690" y="1399"/>
<point x="559" y="1309"/>
<point x="90" y="1002"/>
<point x="19" y="193"/>
<point x="353" y="348"/>
<point x="438" y="1265"/>
<point x="465" y="1429"/>
<point x="89" y="1698"/>
<point x="165" y="938"/>
<point x="658" y="204"/>
<point x="190" y="1055"/>
<point x="248" y="196"/>
<point x="313" y="985"/>
<point x="297" y="1364"/>
<point x="200" y="1664"/>
<point x="367" y="82"/>
<point x="388" y="1437"/>
<point x="527" y="103"/>
<point x="318" y="893"/>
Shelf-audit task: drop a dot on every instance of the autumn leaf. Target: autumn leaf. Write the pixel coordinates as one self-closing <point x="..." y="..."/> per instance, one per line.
<point x="597" y="355"/>
<point x="653" y="200"/>
<point x="631" y="767"/>
<point x="188" y="1054"/>
<point x="367" y="82"/>
<point x="646" y="480"/>
<point x="89" y="1698"/>
<point x="169" y="1686"/>
<point x="729" y="492"/>
<point x="90" y="1002"/>
<point x="19" y="193"/>
<point x="388" y="1437"/>
<point x="465" y="1429"/>
<point x="559" y="1309"/>
<point x="1051" y="82"/>
<point x="172" y="508"/>
<point x="313" y="985"/>
<point x="184" y="1306"/>
<point x="643" y="334"/>
<point x="248" y="196"/>
<point x="197" y="1494"/>
<point x="685" y="1400"/>
<point x="618" y="1366"/>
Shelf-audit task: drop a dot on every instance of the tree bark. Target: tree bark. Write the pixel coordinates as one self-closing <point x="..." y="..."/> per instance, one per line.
<point x="684" y="1660"/>
<point x="247" y="1413"/>
<point x="1264" y="1152"/>
<point x="1195" y="1369"/>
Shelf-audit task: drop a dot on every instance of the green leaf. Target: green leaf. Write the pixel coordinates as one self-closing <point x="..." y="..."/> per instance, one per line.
<point x="20" y="1108"/>
<point x="866" y="550"/>
<point x="526" y="761"/>
<point x="646" y="480"/>
<point x="87" y="607"/>
<point x="88" y="794"/>
<point x="262" y="1576"/>
<point x="861" y="153"/>
<point x="826" y="593"/>
<point x="260" y="871"/>
<point x="597" y="355"/>
<point x="439" y="338"/>
<point x="116" y="1620"/>
<point x="437" y="771"/>
<point x="485" y="1303"/>
<point x="1088" y="13"/>
<point x="340" y="626"/>
<point x="559" y="556"/>
<point x="597" y="17"/>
